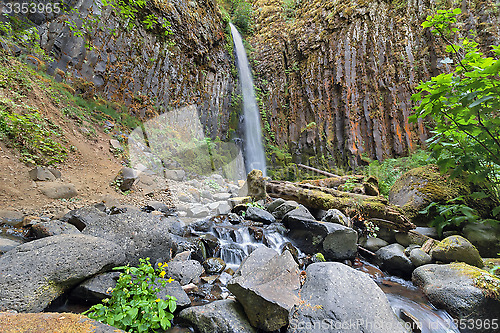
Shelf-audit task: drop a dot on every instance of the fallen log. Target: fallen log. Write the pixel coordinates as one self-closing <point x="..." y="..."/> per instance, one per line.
<point x="373" y="208"/>
<point x="321" y="172"/>
<point x="334" y="181"/>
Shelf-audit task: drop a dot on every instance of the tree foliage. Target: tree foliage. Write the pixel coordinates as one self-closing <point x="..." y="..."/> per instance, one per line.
<point x="463" y="106"/>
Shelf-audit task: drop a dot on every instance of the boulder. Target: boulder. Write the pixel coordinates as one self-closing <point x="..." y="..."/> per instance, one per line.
<point x="298" y="213"/>
<point x="456" y="248"/>
<point x="485" y="237"/>
<point x="52" y="228"/>
<point x="225" y="316"/>
<point x="35" y="273"/>
<point x="175" y="289"/>
<point x="336" y="216"/>
<point x="126" y="178"/>
<point x="392" y="259"/>
<point x="177" y="175"/>
<point x="419" y="258"/>
<point x="198" y="210"/>
<point x="468" y="293"/>
<point x="139" y="234"/>
<point x="96" y="288"/>
<point x="221" y="196"/>
<point x="256" y="185"/>
<point x="259" y="215"/>
<point x="337" y="298"/>
<point x="11" y="217"/>
<point x="270" y="207"/>
<point x="340" y="243"/>
<point x="7" y="244"/>
<point x="284" y="208"/>
<point x="408" y="238"/>
<point x="52" y="322"/>
<point x="418" y="187"/>
<point x="267" y="289"/>
<point x="56" y="190"/>
<point x="214" y="265"/>
<point x="185" y="271"/>
<point x="41" y="174"/>
<point x="374" y="244"/>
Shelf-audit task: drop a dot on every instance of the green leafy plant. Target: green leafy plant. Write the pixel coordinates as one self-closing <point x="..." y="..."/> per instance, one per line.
<point x="463" y="107"/>
<point x="243" y="15"/>
<point x="134" y="305"/>
<point x="454" y="213"/>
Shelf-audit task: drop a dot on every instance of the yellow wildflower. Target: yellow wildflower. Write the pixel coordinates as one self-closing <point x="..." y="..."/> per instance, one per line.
<point x="162" y="274"/>
<point x="170" y="280"/>
<point x="157" y="300"/>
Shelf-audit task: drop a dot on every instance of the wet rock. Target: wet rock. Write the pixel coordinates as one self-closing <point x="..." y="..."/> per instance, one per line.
<point x="456" y="248"/>
<point x="185" y="271"/>
<point x="177" y="175"/>
<point x="336" y="216"/>
<point x="419" y="258"/>
<point x="41" y="174"/>
<point x="292" y="249"/>
<point x="52" y="322"/>
<point x="225" y="316"/>
<point x="428" y="231"/>
<point x="55" y="190"/>
<point x="284" y="208"/>
<point x="182" y="256"/>
<point x="392" y="259"/>
<point x="139" y="234"/>
<point x="462" y="290"/>
<point x="11" y="217"/>
<point x="34" y="274"/>
<point x="52" y="228"/>
<point x="259" y="215"/>
<point x="334" y="293"/>
<point x="194" y="245"/>
<point x="174" y="289"/>
<point x="267" y="286"/>
<point x="485" y="237"/>
<point x="96" y="288"/>
<point x="340" y="243"/>
<point x="374" y="244"/>
<point x="408" y="238"/>
<point x="7" y="245"/>
<point x="410" y="248"/>
<point x="214" y="266"/>
<point x="270" y="207"/>
<point x="298" y="213"/>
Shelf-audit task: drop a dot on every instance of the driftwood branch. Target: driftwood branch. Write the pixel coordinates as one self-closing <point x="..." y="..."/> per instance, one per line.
<point x="373" y="208"/>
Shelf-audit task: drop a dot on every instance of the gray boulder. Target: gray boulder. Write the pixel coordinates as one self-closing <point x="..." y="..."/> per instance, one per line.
<point x="335" y="294"/>
<point x="274" y="204"/>
<point x="456" y="248"/>
<point x="139" y="234"/>
<point x="214" y="265"/>
<point x="393" y="259"/>
<point x="340" y="243"/>
<point x="126" y="178"/>
<point x="419" y="258"/>
<point x="7" y="244"/>
<point x="185" y="272"/>
<point x="96" y="288"/>
<point x="284" y="208"/>
<point x="267" y="287"/>
<point x="259" y="215"/>
<point x="174" y="289"/>
<point x="298" y="213"/>
<point x="225" y="316"/>
<point x="335" y="216"/>
<point x="177" y="175"/>
<point x="485" y="237"/>
<point x="198" y="210"/>
<point x="466" y="292"/>
<point x="35" y="273"/>
<point x="11" y="217"/>
<point x="52" y="228"/>
<point x="374" y="244"/>
<point x="56" y="190"/>
<point x="42" y="174"/>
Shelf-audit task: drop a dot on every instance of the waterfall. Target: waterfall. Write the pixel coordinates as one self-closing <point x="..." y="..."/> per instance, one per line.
<point x="254" y="149"/>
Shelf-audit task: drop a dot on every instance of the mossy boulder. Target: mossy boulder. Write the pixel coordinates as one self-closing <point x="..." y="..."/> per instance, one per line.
<point x="456" y="248"/>
<point x="52" y="322"/>
<point x="418" y="187"/>
<point x="466" y="292"/>
<point x="485" y="237"/>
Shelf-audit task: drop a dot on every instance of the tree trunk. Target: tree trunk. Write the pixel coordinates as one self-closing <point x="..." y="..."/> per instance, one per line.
<point x="375" y="209"/>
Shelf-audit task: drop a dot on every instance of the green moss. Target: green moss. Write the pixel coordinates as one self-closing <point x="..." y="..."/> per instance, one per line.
<point x="490" y="284"/>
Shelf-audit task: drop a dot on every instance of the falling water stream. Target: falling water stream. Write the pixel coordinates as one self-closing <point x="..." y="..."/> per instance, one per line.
<point x="254" y="149"/>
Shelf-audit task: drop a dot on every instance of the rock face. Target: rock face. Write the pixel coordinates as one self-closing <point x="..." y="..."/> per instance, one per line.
<point x="267" y="286"/>
<point x="393" y="259"/>
<point x="35" y="273"/>
<point x="142" y="69"/>
<point x="52" y="322"/>
<point x="462" y="290"/>
<point x="419" y="187"/>
<point x="335" y="294"/>
<point x="456" y="248"/>
<point x="140" y="234"/>
<point x="226" y="316"/>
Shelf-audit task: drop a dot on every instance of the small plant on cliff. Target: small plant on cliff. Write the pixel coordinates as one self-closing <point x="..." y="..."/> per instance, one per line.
<point x="134" y="305"/>
<point x="464" y="107"/>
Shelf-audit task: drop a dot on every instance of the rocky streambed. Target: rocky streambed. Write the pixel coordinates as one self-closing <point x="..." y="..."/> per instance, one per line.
<point x="270" y="266"/>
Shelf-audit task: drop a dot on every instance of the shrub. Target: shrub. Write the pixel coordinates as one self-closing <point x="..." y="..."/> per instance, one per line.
<point x="134" y="305"/>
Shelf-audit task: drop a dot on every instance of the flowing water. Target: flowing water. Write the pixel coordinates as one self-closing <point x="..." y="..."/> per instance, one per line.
<point x="254" y="149"/>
